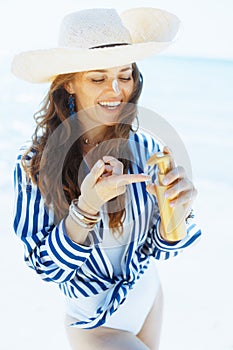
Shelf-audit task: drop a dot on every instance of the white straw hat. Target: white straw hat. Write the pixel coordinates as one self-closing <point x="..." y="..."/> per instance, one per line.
<point x="97" y="39"/>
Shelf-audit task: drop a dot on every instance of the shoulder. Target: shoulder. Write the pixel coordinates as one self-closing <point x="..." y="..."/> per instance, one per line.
<point x="26" y="151"/>
<point x="23" y="166"/>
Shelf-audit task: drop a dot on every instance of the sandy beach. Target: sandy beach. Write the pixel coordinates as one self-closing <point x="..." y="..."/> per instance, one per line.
<point x="194" y="96"/>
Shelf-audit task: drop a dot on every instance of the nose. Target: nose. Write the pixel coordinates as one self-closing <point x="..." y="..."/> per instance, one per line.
<point x="115" y="86"/>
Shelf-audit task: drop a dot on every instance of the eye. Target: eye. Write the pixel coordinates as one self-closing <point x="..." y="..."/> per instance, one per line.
<point x="125" y="78"/>
<point x="97" y="80"/>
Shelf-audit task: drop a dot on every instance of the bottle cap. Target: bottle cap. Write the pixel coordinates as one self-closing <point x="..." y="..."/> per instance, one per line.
<point x="162" y="160"/>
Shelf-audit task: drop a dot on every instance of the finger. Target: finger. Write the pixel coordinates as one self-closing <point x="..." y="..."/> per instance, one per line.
<point x="186" y="199"/>
<point x="117" y="166"/>
<point x="108" y="158"/>
<point x="108" y="170"/>
<point x="173" y="175"/>
<point x="97" y="170"/>
<point x="179" y="187"/>
<point x="118" y="169"/>
<point x="151" y="189"/>
<point x="111" y="160"/>
<point x="127" y="179"/>
<point x="167" y="150"/>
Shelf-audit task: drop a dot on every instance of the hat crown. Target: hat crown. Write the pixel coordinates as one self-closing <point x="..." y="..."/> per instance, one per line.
<point x="93" y="28"/>
<point x="147" y="30"/>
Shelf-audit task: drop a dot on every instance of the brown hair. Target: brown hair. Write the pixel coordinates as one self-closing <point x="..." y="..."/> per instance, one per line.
<point x="57" y="177"/>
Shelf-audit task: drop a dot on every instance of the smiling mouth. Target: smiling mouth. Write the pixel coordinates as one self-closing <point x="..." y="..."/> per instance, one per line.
<point x="111" y="105"/>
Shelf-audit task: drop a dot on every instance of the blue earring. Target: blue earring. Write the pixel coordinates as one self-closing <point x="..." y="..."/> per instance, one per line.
<point x="71" y="104"/>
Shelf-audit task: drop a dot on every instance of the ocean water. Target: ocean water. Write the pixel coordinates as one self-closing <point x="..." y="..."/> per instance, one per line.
<point x="195" y="97"/>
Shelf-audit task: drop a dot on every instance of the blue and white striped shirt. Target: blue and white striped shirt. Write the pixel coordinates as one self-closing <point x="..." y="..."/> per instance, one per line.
<point x="85" y="271"/>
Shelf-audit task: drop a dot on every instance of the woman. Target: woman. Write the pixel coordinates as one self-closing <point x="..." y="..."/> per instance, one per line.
<point x="83" y="210"/>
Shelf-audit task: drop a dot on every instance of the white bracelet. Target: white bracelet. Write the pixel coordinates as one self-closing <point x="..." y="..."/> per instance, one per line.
<point x="82" y="214"/>
<point x="82" y="218"/>
<point x="82" y="224"/>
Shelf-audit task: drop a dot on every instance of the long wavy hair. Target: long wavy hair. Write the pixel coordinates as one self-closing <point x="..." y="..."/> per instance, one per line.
<point x="57" y="165"/>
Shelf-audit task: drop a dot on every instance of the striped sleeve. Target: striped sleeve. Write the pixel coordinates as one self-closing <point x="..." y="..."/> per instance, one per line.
<point x="48" y="249"/>
<point x="160" y="249"/>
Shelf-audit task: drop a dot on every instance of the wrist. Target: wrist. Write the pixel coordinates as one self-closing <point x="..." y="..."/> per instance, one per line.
<point x="74" y="231"/>
<point x="86" y="207"/>
<point x="82" y="218"/>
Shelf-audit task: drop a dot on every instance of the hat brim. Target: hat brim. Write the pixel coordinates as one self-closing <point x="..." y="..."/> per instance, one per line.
<point x="42" y="66"/>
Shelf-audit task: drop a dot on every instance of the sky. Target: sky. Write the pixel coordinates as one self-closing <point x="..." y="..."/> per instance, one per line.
<point x="207" y="25"/>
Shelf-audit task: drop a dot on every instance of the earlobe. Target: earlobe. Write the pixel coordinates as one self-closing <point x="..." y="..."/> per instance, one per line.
<point x="69" y="87"/>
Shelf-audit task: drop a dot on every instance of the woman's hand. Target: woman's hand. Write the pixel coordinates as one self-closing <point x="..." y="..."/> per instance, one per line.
<point x="104" y="182"/>
<point x="180" y="189"/>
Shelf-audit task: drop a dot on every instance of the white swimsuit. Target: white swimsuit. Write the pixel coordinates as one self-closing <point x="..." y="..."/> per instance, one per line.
<point x="131" y="315"/>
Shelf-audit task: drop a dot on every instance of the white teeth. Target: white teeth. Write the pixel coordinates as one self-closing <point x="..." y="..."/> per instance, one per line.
<point x="110" y="104"/>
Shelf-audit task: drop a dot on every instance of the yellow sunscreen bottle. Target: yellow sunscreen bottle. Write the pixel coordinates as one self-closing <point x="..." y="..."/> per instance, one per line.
<point x="172" y="218"/>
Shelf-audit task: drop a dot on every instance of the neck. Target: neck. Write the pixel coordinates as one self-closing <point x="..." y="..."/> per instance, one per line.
<point x="94" y="135"/>
<point x="92" y="130"/>
<point x="92" y="138"/>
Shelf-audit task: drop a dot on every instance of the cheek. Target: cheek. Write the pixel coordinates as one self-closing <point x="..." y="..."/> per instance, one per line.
<point x="81" y="101"/>
<point x="129" y="90"/>
<point x="86" y="99"/>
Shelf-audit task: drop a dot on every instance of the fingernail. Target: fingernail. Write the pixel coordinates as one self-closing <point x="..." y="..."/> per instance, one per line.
<point x="148" y="176"/>
<point x="148" y="182"/>
<point x="165" y="181"/>
<point x="100" y="163"/>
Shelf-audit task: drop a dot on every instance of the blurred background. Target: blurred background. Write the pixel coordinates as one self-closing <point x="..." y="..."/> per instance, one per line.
<point x="190" y="85"/>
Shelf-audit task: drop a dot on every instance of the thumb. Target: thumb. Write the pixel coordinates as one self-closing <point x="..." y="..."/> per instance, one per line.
<point x="167" y="150"/>
<point x="97" y="171"/>
<point x="151" y="189"/>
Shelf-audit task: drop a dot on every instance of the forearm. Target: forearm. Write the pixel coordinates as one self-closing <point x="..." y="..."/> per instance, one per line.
<point x="75" y="232"/>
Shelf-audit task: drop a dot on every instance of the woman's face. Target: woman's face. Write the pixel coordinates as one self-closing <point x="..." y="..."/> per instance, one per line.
<point x="105" y="90"/>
